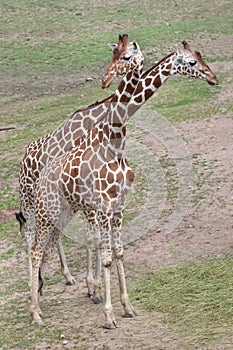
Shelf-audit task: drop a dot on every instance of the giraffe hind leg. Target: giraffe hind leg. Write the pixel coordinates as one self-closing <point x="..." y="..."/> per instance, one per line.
<point x="70" y="280"/>
<point x="93" y="238"/>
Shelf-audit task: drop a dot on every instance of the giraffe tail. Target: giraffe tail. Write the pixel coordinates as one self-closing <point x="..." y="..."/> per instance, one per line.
<point x="40" y="283"/>
<point x="21" y="219"/>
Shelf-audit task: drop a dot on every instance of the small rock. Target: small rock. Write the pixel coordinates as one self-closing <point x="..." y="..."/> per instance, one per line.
<point x="65" y="342"/>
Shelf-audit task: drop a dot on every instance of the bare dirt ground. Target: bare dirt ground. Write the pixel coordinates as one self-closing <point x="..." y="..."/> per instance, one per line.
<point x="206" y="230"/>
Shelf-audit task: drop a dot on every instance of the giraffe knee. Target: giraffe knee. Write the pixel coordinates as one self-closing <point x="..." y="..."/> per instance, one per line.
<point x="119" y="253"/>
<point x="106" y="259"/>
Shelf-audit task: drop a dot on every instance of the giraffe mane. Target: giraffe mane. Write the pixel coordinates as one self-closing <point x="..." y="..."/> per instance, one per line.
<point x="157" y="64"/>
<point x="92" y="105"/>
<point x="109" y="98"/>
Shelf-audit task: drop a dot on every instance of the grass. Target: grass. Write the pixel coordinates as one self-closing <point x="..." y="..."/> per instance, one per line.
<point x="187" y="99"/>
<point x="195" y="300"/>
<point x="7" y="254"/>
<point x="58" y="38"/>
<point x="42" y="41"/>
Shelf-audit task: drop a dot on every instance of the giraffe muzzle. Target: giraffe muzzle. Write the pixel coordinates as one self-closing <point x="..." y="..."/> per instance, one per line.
<point x="106" y="81"/>
<point x="213" y="81"/>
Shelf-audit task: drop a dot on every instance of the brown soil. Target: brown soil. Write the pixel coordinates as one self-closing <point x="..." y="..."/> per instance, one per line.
<point x="7" y="214"/>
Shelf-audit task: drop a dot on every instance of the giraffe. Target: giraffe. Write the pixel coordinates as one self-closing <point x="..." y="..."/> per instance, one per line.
<point x="39" y="153"/>
<point x="95" y="175"/>
<point x="183" y="62"/>
<point x="47" y="240"/>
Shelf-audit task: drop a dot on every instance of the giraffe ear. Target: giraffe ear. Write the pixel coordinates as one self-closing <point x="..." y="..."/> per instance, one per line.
<point x="136" y="47"/>
<point x="112" y="46"/>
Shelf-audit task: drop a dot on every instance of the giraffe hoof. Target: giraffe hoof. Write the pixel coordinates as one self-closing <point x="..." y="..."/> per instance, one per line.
<point x="70" y="282"/>
<point x="110" y="325"/>
<point x="37" y="322"/>
<point x="98" y="300"/>
<point x="41" y="313"/>
<point x="130" y="314"/>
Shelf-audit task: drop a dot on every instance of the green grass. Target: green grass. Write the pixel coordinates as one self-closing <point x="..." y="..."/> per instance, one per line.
<point x="51" y="38"/>
<point x="7" y="254"/>
<point x="195" y="299"/>
<point x="187" y="99"/>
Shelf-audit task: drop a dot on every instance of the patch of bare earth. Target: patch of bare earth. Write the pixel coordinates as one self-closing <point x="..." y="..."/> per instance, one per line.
<point x="7" y="214"/>
<point x="207" y="227"/>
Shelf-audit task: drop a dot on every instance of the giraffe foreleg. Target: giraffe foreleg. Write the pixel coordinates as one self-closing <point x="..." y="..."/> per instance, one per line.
<point x="108" y="309"/>
<point x="89" y="276"/>
<point x="119" y="254"/>
<point x="128" y="308"/>
<point x="105" y="221"/>
<point x="98" y="284"/>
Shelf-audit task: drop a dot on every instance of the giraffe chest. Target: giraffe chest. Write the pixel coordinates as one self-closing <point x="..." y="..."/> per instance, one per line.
<point x="87" y="187"/>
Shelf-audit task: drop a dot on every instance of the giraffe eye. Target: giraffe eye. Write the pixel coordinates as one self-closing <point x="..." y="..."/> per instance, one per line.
<point x="126" y="58"/>
<point x="192" y="63"/>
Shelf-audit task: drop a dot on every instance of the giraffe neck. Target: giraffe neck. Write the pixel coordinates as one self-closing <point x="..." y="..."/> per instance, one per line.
<point x="150" y="81"/>
<point x="130" y="98"/>
<point x="115" y="123"/>
<point x="83" y="120"/>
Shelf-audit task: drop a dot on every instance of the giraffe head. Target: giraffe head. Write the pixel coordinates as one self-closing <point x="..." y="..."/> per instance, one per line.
<point x="191" y="64"/>
<point x="126" y="56"/>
